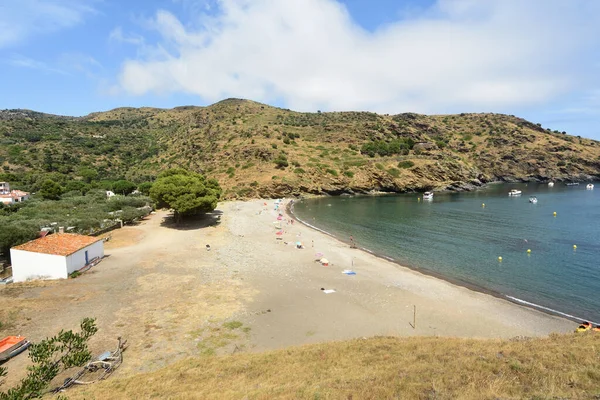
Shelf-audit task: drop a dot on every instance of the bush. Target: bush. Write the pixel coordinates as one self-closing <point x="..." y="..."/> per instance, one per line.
<point x="273" y="145"/>
<point x="331" y="171"/>
<point x="299" y="171"/>
<point x="406" y="164"/>
<point x="349" y="174"/>
<point x="281" y="161"/>
<point x="394" y="172"/>
<point x="561" y="163"/>
<point x="379" y="166"/>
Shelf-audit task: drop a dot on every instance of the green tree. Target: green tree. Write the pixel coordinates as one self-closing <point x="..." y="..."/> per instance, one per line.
<point x="145" y="188"/>
<point x="50" y="357"/>
<point x="88" y="174"/>
<point x="123" y="187"/>
<point x="186" y="192"/>
<point x="16" y="233"/>
<point x="51" y="190"/>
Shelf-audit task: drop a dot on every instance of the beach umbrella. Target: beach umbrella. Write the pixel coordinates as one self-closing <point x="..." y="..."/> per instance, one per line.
<point x="324" y="261"/>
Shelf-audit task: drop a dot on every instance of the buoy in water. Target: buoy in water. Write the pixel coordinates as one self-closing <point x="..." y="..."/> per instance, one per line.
<point x="555" y="213"/>
<point x="528" y="250"/>
<point x="499" y="258"/>
<point x="574" y="247"/>
<point x="483" y="205"/>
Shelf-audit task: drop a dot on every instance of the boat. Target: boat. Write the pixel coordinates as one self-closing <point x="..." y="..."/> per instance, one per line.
<point x="11" y="346"/>
<point x="589" y="186"/>
<point x="585" y="326"/>
<point x="533" y="199"/>
<point x="550" y="184"/>
<point x="428" y="196"/>
<point x="514" y="192"/>
<point x="572" y="184"/>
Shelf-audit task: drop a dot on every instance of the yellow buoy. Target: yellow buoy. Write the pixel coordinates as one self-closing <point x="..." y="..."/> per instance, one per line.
<point x="499" y="258"/>
<point x="555" y="213"/>
<point x="483" y="205"/>
<point x="529" y="250"/>
<point x="574" y="247"/>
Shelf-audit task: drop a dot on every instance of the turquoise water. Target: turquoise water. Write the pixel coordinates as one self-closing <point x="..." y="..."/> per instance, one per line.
<point x="453" y="236"/>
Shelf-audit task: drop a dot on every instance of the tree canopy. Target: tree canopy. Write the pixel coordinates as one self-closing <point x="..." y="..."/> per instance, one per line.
<point x="186" y="192"/>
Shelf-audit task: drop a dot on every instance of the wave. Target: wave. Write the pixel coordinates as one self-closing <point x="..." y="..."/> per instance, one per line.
<point x="533" y="305"/>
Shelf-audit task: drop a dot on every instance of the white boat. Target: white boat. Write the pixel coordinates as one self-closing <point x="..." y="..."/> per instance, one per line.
<point x="428" y="196"/>
<point x="589" y="186"/>
<point x="533" y="199"/>
<point x="514" y="192"/>
<point x="550" y="184"/>
<point x="573" y="184"/>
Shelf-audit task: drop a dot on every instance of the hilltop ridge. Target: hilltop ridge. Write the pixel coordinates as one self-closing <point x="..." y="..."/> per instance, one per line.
<point x="257" y="150"/>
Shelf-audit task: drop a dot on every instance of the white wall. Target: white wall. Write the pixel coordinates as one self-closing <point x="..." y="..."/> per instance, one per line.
<point x="77" y="260"/>
<point x="28" y="265"/>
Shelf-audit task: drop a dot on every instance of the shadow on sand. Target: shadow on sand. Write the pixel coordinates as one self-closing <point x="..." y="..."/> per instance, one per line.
<point x="193" y="222"/>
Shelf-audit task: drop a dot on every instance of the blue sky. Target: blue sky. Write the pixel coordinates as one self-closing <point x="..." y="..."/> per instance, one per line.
<point x="539" y="59"/>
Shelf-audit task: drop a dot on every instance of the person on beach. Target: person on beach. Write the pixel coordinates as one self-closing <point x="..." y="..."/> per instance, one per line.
<point x="352" y="244"/>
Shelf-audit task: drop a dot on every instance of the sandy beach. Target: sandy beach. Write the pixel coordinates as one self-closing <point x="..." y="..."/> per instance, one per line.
<point x="171" y="298"/>
<point x="379" y="300"/>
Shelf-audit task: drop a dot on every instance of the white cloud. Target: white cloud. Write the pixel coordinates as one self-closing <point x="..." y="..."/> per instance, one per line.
<point x="18" y="60"/>
<point x="458" y="55"/>
<point x="118" y="36"/>
<point x="21" y="19"/>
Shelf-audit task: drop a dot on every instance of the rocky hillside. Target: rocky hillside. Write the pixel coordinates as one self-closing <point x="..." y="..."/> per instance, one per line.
<point x="256" y="150"/>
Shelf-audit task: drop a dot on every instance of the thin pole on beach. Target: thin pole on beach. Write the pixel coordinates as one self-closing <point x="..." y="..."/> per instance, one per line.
<point x="415" y="316"/>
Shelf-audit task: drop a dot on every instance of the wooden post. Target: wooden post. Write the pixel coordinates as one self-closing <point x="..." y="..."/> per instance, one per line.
<point x="415" y="317"/>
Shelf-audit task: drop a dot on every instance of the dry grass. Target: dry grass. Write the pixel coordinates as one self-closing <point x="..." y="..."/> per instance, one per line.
<point x="561" y="366"/>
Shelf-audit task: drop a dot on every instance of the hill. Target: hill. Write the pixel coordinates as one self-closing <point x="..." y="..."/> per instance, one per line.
<point x="256" y="150"/>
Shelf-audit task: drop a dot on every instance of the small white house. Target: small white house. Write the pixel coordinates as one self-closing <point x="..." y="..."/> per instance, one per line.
<point x="54" y="256"/>
<point x="9" y="197"/>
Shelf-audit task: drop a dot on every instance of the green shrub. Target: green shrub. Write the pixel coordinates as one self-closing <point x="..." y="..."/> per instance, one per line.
<point x="331" y="171"/>
<point x="561" y="163"/>
<point x="394" y="172"/>
<point x="254" y="184"/>
<point x="299" y="171"/>
<point x="349" y="174"/>
<point x="406" y="164"/>
<point x="273" y="145"/>
<point x="379" y="166"/>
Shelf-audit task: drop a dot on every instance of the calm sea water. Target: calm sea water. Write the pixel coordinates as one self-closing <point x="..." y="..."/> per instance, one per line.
<point x="455" y="237"/>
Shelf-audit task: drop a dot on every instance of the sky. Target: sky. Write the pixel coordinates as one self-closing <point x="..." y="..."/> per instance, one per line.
<point x="537" y="59"/>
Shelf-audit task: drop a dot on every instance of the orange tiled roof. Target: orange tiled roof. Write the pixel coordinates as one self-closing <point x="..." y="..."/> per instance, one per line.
<point x="61" y="244"/>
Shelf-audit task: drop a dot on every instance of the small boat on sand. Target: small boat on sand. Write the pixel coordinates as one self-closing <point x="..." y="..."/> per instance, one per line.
<point x="514" y="192"/>
<point x="11" y="346"/>
<point x="533" y="199"/>
<point x="589" y="186"/>
<point x="585" y="326"/>
<point x="428" y="196"/>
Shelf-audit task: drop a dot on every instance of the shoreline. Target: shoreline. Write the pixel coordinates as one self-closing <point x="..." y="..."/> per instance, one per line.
<point x="289" y="210"/>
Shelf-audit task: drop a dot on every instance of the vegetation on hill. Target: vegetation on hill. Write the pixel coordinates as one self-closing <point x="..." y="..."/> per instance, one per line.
<point x="255" y="150"/>
<point x="561" y="366"/>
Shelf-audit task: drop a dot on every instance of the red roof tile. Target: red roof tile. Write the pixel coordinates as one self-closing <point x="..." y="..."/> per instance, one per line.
<point x="61" y="244"/>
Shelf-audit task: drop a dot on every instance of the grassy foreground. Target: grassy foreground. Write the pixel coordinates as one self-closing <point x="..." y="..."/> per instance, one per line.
<point x="560" y="366"/>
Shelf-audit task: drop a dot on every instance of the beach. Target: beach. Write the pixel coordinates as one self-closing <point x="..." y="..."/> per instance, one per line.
<point x="381" y="299"/>
<point x="161" y="289"/>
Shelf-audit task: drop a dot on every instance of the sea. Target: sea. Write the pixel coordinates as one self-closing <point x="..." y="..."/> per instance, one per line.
<point x="550" y="251"/>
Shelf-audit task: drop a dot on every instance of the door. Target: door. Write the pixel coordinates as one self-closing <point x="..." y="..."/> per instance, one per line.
<point x="87" y="260"/>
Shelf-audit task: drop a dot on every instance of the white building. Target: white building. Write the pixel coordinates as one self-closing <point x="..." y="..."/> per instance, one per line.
<point x="8" y="196"/>
<point x="54" y="256"/>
